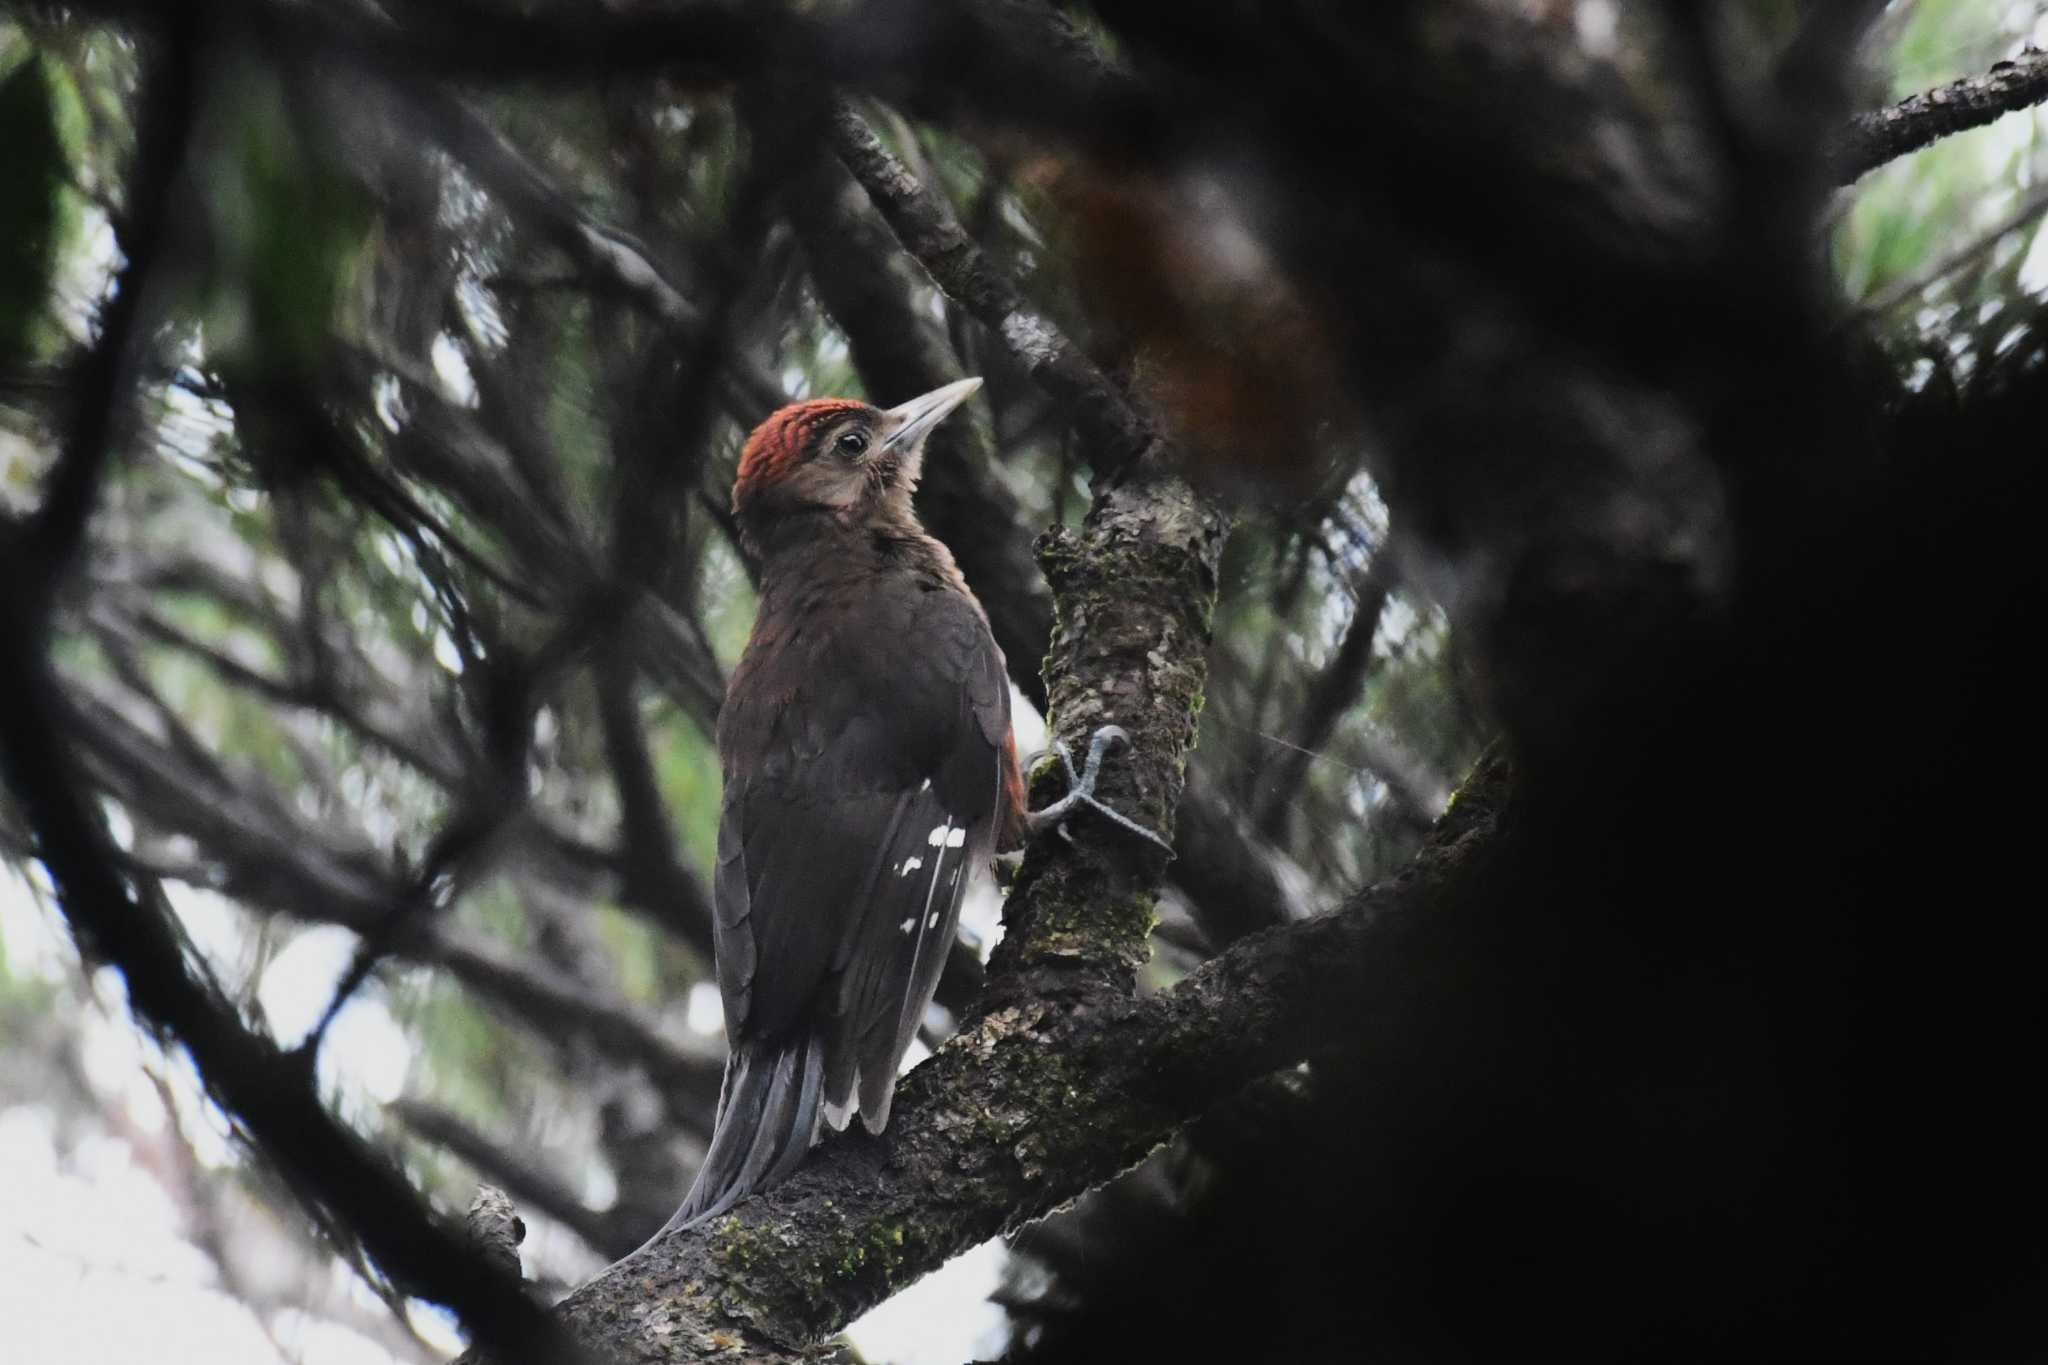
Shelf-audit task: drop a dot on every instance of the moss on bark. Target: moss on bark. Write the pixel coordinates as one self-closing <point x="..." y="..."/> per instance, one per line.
<point x="1134" y="594"/>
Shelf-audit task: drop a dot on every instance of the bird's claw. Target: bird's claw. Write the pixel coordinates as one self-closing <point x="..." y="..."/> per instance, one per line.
<point x="1081" y="790"/>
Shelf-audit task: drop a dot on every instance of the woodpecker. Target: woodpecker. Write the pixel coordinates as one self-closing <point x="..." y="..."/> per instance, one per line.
<point x="869" y="766"/>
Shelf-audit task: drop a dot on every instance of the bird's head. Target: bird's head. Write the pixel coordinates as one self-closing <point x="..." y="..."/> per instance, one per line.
<point x="838" y="456"/>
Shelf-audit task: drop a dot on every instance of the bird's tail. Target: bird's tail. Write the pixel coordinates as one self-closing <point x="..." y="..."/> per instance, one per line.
<point x="768" y="1115"/>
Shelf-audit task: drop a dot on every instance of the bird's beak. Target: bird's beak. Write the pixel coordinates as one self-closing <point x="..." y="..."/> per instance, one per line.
<point x="904" y="427"/>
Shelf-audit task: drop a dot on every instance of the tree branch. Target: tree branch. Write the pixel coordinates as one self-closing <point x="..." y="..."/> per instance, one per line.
<point x="1870" y="140"/>
<point x="604" y="253"/>
<point x="1023" y="1110"/>
<point x="1334" y="692"/>
<point x="1133" y="593"/>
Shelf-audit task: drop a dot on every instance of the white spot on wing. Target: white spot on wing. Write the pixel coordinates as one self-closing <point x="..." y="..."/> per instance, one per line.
<point x="938" y="841"/>
<point x="910" y="865"/>
<point x="933" y="922"/>
<point x="927" y="782"/>
<point x="956" y="838"/>
<point x="837" y="1114"/>
<point x="908" y="924"/>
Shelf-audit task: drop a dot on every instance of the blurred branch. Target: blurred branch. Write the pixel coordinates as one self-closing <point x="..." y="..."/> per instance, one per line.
<point x="610" y="255"/>
<point x="119" y="624"/>
<point x="1113" y="433"/>
<point x="689" y="1082"/>
<point x="605" y="253"/>
<point x="1234" y="882"/>
<point x="651" y="873"/>
<point x="694" y="40"/>
<point x="444" y="446"/>
<point x="269" y="1094"/>
<point x="99" y="418"/>
<point x="268" y="858"/>
<point x="291" y="427"/>
<point x="511" y="688"/>
<point x="670" y="647"/>
<point x="1870" y="140"/>
<point x="1335" y="691"/>
<point x="445" y="449"/>
<point x="124" y="617"/>
<point x="1418" y="792"/>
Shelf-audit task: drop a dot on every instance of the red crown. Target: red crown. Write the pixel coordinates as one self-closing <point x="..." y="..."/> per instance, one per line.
<point x="772" y="450"/>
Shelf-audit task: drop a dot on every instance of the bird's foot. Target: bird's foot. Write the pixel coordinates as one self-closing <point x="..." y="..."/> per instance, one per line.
<point x="1081" y="791"/>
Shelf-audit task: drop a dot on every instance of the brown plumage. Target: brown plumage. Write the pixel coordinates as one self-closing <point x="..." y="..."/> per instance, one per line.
<point x="869" y="768"/>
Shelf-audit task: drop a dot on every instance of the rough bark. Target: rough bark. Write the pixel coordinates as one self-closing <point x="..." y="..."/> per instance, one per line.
<point x="495" y="1229"/>
<point x="1883" y="135"/>
<point x="1134" y="592"/>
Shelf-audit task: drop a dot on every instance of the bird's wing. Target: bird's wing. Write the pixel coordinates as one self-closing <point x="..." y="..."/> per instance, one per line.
<point x="852" y="818"/>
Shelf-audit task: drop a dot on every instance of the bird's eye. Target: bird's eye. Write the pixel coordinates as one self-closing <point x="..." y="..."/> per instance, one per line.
<point x="852" y="442"/>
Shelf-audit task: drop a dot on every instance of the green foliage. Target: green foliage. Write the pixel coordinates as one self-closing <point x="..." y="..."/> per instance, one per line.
<point x="289" y="229"/>
<point x="686" y="765"/>
<point x="467" y="1059"/>
<point x="637" y="951"/>
<point x="33" y="215"/>
<point x="1943" y="39"/>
